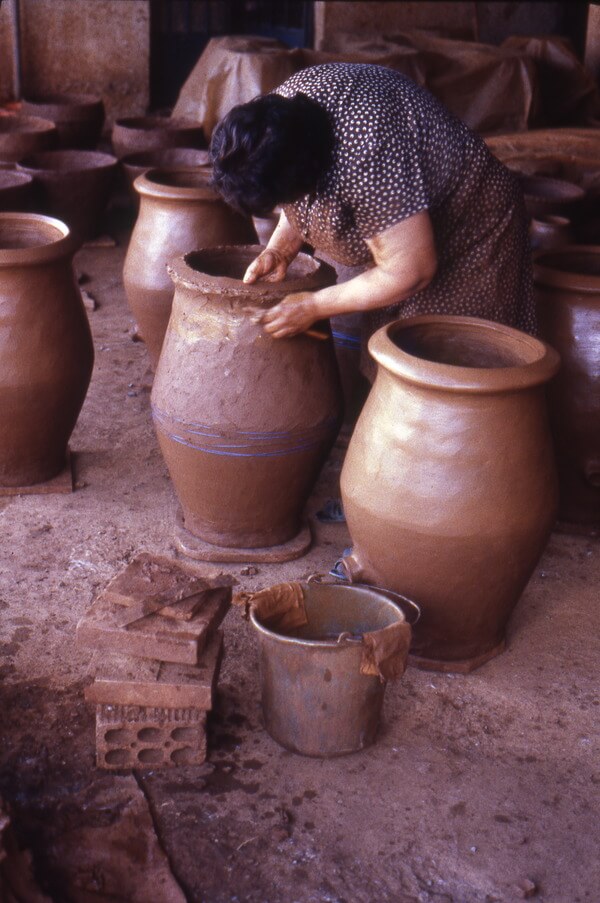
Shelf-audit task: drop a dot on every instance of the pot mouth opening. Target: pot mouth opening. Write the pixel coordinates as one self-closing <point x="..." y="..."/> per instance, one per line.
<point x="19" y="234"/>
<point x="551" y="219"/>
<point x="577" y="263"/>
<point x="233" y="261"/>
<point x="13" y="125"/>
<point x="461" y="345"/>
<point x="180" y="178"/>
<point x="68" y="161"/>
<point x="151" y="123"/>
<point x="67" y="100"/>
<point x="168" y="156"/>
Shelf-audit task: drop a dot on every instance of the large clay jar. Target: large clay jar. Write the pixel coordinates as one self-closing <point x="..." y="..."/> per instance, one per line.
<point x="148" y="133"/>
<point x="78" y="117"/>
<point x="23" y="135"/>
<point x="449" y="485"/>
<point x="46" y="351"/>
<point x="74" y="186"/>
<point x="179" y="211"/>
<point x="244" y="421"/>
<point x="567" y="288"/>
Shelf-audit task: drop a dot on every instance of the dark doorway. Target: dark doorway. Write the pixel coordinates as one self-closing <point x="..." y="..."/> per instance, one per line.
<point x="180" y="30"/>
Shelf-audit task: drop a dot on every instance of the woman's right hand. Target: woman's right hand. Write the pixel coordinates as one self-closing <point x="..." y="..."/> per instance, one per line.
<point x="270" y="265"/>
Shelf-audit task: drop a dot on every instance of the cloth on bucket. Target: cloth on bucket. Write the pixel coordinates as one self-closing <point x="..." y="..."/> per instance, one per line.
<point x="279" y="607"/>
<point x="385" y="652"/>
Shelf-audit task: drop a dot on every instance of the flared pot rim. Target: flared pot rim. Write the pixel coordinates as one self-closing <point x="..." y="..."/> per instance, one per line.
<point x="145" y="124"/>
<point x="40" y="162"/>
<point x="61" y="242"/>
<point x="562" y="276"/>
<point x="25" y="125"/>
<point x="540" y="361"/>
<point x="63" y="102"/>
<point x="182" y="273"/>
<point x="148" y="184"/>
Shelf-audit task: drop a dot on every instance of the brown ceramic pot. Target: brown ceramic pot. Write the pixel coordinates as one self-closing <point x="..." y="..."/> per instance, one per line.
<point x="16" y="191"/>
<point x="178" y="212"/>
<point x="74" y="186"/>
<point x="46" y="351"/>
<point x="449" y="485"/>
<point x="244" y="421"/>
<point x="567" y="287"/>
<point x="24" y="135"/>
<point x="149" y="133"/>
<point x="135" y="165"/>
<point x="78" y="117"/>
<point x="550" y="231"/>
<point x="544" y="195"/>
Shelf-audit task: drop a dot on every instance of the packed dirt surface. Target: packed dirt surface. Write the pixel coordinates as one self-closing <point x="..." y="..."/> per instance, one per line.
<point x="480" y="789"/>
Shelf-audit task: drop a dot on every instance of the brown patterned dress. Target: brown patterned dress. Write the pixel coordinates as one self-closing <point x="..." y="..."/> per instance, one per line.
<point x="398" y="151"/>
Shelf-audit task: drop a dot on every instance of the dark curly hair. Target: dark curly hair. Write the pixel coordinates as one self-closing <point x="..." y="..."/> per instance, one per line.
<point x="270" y="151"/>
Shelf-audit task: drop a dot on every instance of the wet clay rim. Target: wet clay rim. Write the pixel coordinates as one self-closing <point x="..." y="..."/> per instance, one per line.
<point x="56" y="240"/>
<point x="540" y="361"/>
<point x="14" y="124"/>
<point x="547" y="274"/>
<point x="318" y="275"/>
<point x="150" y="185"/>
<point x="79" y="160"/>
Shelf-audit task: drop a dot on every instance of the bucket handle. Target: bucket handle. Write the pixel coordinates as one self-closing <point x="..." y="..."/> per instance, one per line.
<point x="410" y="609"/>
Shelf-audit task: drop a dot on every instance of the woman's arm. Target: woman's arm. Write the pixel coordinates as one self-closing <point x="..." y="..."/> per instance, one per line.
<point x="272" y="263"/>
<point x="405" y="263"/>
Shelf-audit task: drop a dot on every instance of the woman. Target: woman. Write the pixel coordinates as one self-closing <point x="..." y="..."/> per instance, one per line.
<point x="370" y="169"/>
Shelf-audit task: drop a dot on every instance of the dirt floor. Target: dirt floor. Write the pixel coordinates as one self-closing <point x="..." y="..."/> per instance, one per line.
<point x="480" y="788"/>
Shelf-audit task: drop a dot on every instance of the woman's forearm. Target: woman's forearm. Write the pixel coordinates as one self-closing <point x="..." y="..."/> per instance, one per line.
<point x="285" y="240"/>
<point x="367" y="291"/>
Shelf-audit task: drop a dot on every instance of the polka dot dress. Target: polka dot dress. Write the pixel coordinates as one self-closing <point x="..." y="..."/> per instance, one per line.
<point x="398" y="151"/>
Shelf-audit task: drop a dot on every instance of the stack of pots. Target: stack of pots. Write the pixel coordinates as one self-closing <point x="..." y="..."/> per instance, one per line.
<point x="449" y="484"/>
<point x="244" y="421"/>
<point x="178" y="212"/>
<point x="567" y="289"/>
<point x="46" y="351"/>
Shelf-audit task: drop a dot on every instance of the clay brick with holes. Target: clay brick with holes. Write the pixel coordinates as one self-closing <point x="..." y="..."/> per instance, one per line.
<point x="129" y="736"/>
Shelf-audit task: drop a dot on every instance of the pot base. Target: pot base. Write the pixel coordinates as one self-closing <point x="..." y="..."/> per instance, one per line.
<point x="63" y="482"/>
<point x="194" y="547"/>
<point x="460" y="666"/>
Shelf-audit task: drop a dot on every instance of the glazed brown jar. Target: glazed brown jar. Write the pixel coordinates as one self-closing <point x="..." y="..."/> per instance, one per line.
<point x="244" y="421"/>
<point x="46" y="351"/>
<point x="179" y="211"/>
<point x="567" y="290"/>
<point x="449" y="485"/>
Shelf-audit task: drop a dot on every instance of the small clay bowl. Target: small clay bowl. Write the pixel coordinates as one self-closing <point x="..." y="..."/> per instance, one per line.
<point x="135" y="165"/>
<point x="544" y="195"/>
<point x="16" y="191"/>
<point x="78" y="117"/>
<point x="148" y="133"/>
<point x="74" y="186"/>
<point x="24" y="135"/>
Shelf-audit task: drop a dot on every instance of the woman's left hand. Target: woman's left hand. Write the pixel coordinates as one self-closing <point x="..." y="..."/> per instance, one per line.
<point x="295" y="314"/>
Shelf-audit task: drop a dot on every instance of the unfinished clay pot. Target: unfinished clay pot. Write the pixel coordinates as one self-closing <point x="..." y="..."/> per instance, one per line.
<point x="46" y="351"/>
<point x="74" y="186"/>
<point x="135" y="165"/>
<point x="16" y="191"/>
<point x="244" y="421"/>
<point x="24" y="135"/>
<point x="78" y="117"/>
<point x="150" y="133"/>
<point x="567" y="288"/>
<point x="550" y="231"/>
<point x="449" y="485"/>
<point x="178" y="212"/>
<point x="544" y="195"/>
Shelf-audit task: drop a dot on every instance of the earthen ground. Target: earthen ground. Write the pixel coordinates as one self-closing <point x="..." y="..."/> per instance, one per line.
<point x="480" y="789"/>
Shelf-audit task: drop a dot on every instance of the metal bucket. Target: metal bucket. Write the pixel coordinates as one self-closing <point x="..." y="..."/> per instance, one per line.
<point x="314" y="699"/>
